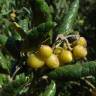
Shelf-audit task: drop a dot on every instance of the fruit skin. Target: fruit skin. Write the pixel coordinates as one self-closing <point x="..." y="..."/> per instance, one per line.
<point x="45" y="51"/>
<point x="34" y="61"/>
<point x="58" y="50"/>
<point x="66" y="56"/>
<point x="79" y="52"/>
<point x="52" y="61"/>
<point x="81" y="41"/>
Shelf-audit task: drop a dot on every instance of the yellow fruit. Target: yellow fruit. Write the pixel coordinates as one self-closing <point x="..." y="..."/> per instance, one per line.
<point x="45" y="51"/>
<point x="58" y="50"/>
<point x="66" y="56"/>
<point x="81" y="41"/>
<point x="79" y="52"/>
<point x="52" y="61"/>
<point x="13" y="16"/>
<point x="34" y="61"/>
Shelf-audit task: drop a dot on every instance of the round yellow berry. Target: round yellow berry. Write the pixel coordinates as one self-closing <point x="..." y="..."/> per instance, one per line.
<point x="52" y="61"/>
<point x="81" y="41"/>
<point x="34" y="61"/>
<point x="45" y="51"/>
<point x="79" y="52"/>
<point x="66" y="56"/>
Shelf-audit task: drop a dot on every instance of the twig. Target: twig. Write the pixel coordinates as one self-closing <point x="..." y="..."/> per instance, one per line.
<point x="14" y="74"/>
<point x="88" y="83"/>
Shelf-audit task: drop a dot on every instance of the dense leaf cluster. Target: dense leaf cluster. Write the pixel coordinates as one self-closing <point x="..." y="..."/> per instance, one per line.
<point x="24" y="26"/>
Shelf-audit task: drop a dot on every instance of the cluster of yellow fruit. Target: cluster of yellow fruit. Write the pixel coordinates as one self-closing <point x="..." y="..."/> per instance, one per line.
<point x="53" y="58"/>
<point x="44" y="56"/>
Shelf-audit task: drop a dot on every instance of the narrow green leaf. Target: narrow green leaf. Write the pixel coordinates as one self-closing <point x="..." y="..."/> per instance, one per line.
<point x="3" y="79"/>
<point x="75" y="71"/>
<point x="24" y="25"/>
<point x="4" y="62"/>
<point x="68" y="20"/>
<point x="3" y="40"/>
<point x="44" y="8"/>
<point x="50" y="90"/>
<point x="41" y="30"/>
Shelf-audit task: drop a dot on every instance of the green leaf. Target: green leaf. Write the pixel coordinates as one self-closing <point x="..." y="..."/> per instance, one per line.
<point x="41" y="30"/>
<point x="75" y="71"/>
<point x="5" y="62"/>
<point x="3" y="39"/>
<point x="61" y="7"/>
<point x="44" y="8"/>
<point x="3" y="79"/>
<point x="24" y="25"/>
<point x="68" y="20"/>
<point x="14" y="88"/>
<point x="6" y="6"/>
<point x="50" y="90"/>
